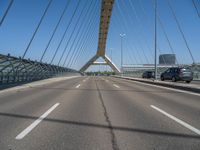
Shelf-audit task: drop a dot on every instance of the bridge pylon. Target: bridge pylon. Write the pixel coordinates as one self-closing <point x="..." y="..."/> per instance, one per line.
<point x="106" y="11"/>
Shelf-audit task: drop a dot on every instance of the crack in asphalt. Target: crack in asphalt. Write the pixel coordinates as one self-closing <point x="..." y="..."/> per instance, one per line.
<point x="113" y="137"/>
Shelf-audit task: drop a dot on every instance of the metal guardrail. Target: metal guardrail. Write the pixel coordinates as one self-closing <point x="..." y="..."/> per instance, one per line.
<point x="14" y="70"/>
<point x="137" y="72"/>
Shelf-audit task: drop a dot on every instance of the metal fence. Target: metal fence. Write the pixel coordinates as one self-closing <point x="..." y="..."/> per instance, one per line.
<point x="137" y="71"/>
<point x="14" y="70"/>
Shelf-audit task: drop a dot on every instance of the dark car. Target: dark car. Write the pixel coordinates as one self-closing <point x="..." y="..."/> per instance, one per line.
<point x="177" y="74"/>
<point x="148" y="74"/>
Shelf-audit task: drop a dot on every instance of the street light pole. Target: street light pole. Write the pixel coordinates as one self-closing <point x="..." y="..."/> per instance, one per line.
<point x="122" y="35"/>
<point x="111" y="56"/>
<point x="155" y="39"/>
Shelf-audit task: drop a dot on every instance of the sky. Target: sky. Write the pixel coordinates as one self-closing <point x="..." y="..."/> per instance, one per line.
<point x="134" y="18"/>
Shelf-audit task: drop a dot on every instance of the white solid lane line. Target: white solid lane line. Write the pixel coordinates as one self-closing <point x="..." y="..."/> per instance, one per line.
<point x="78" y="86"/>
<point x="35" y="123"/>
<point x="116" y="85"/>
<point x="195" y="130"/>
<point x="171" y="89"/>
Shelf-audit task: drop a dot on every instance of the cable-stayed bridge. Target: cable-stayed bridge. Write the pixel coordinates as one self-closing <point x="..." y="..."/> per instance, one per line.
<point x="47" y="48"/>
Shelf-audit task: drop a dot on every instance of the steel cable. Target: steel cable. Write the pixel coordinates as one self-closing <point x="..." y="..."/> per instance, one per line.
<point x="85" y="35"/>
<point x="181" y="31"/>
<point x="6" y="12"/>
<point x="73" y="30"/>
<point x="126" y="26"/>
<point x="141" y="25"/>
<point x="55" y="29"/>
<point x="81" y="36"/>
<point x="118" y="22"/>
<point x="77" y="33"/>
<point x="38" y="26"/>
<point x="195" y="7"/>
<point x="89" y="41"/>
<point x="66" y="29"/>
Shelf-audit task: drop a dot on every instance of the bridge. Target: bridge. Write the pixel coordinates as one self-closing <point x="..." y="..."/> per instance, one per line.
<point x="56" y="87"/>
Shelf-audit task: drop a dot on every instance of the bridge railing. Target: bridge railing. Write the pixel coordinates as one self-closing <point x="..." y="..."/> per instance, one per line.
<point x="14" y="70"/>
<point x="138" y="71"/>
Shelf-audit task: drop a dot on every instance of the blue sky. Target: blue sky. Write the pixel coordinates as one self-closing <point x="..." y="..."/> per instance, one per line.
<point x="135" y="18"/>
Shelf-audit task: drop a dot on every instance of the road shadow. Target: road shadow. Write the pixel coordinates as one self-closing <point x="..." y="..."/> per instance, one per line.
<point x="102" y="126"/>
<point x="105" y="90"/>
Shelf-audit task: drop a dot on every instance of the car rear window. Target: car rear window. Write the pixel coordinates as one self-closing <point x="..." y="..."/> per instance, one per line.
<point x="185" y="70"/>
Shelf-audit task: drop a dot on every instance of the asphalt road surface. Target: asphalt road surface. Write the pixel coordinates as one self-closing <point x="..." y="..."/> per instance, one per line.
<point x="194" y="82"/>
<point x="99" y="113"/>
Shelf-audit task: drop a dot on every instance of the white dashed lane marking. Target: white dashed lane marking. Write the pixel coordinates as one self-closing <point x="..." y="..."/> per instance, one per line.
<point x="35" y="123"/>
<point x="181" y="122"/>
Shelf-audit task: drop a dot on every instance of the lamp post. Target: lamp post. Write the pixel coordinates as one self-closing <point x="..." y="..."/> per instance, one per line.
<point x="155" y="40"/>
<point x="122" y="35"/>
<point x="111" y="55"/>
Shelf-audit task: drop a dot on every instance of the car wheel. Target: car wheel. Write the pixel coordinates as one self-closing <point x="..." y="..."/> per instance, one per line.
<point x="173" y="79"/>
<point x="188" y="81"/>
<point x="162" y="78"/>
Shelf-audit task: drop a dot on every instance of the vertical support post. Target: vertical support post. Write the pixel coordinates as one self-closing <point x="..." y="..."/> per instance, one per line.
<point x="155" y="39"/>
<point x="121" y="55"/>
<point x="122" y="35"/>
<point x="111" y="57"/>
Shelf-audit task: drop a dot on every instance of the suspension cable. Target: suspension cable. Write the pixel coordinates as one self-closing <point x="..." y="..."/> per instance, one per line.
<point x="165" y="34"/>
<point x="85" y="36"/>
<point x="82" y="25"/>
<point x="129" y="47"/>
<point x="132" y="46"/>
<point x="73" y="30"/>
<point x="90" y="38"/>
<point x="6" y="12"/>
<point x="77" y="33"/>
<point x="141" y="32"/>
<point x="125" y="26"/>
<point x="64" y="34"/>
<point x="55" y="29"/>
<point x="181" y="31"/>
<point x="38" y="26"/>
<point x="86" y="53"/>
<point x="195" y="7"/>
<point x="81" y="37"/>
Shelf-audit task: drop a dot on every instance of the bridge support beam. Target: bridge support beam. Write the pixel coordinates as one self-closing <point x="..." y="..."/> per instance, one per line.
<point x="107" y="62"/>
<point x="106" y="11"/>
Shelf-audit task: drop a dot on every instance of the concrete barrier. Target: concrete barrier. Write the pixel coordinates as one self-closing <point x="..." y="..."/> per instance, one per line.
<point x="175" y="85"/>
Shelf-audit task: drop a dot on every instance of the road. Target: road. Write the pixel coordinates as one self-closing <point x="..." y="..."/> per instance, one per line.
<point x="99" y="113"/>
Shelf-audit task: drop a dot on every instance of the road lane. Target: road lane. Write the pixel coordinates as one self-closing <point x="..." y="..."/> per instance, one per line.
<point x="184" y="106"/>
<point x="181" y="122"/>
<point x="75" y="125"/>
<point x="35" y="123"/>
<point x="98" y="115"/>
<point x="31" y="102"/>
<point x="128" y="108"/>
